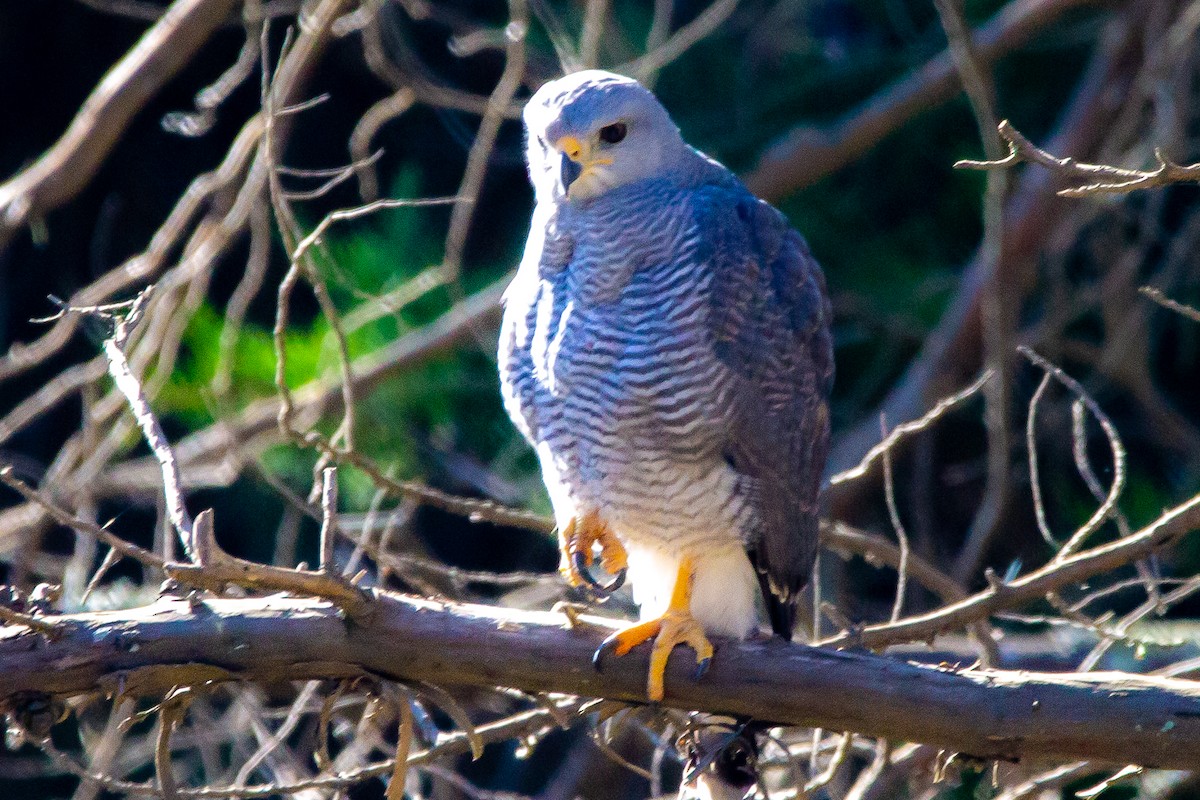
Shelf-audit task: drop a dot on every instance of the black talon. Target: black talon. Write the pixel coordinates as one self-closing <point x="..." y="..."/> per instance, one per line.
<point x="618" y="581"/>
<point x="580" y="560"/>
<point x="598" y="656"/>
<point x="702" y="668"/>
<point x="581" y="566"/>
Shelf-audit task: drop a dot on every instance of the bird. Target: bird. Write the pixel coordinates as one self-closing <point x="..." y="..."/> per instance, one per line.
<point x="666" y="349"/>
<point x="720" y="761"/>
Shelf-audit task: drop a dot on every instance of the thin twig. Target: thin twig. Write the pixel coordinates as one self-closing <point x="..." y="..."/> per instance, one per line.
<point x="906" y="429"/>
<point x="1035" y="481"/>
<point x="1107" y="508"/>
<point x="889" y="492"/>
<point x="128" y="384"/>
<point x="1100" y="178"/>
<point x="475" y="171"/>
<point x="1179" y="308"/>
<point x="996" y="311"/>
<point x="65" y="518"/>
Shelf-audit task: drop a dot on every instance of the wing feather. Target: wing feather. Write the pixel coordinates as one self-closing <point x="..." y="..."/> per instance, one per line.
<point x="770" y="324"/>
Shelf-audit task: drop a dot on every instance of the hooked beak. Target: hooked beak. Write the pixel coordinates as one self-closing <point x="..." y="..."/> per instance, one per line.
<point x="569" y="171"/>
<point x="577" y="160"/>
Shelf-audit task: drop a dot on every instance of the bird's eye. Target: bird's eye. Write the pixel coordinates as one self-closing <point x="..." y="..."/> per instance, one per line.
<point x="737" y="756"/>
<point x="611" y="134"/>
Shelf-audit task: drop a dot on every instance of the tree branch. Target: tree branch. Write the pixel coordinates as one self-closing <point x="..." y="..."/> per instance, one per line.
<point x="1114" y="717"/>
<point x="1090" y="178"/>
<point x="999" y="595"/>
<point x="69" y="165"/>
<point x="806" y="154"/>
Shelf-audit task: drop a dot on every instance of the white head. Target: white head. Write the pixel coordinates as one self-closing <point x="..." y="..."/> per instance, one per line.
<point x="593" y="131"/>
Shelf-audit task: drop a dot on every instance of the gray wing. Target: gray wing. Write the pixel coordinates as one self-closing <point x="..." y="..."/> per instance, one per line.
<point x="771" y="327"/>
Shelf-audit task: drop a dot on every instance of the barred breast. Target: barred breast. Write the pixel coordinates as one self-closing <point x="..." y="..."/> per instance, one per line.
<point x="609" y="368"/>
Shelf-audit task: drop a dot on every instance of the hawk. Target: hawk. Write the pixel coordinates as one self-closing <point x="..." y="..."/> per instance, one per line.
<point x="666" y="350"/>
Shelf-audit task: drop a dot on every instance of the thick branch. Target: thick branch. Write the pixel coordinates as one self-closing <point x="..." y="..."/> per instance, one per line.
<point x="1113" y="717"/>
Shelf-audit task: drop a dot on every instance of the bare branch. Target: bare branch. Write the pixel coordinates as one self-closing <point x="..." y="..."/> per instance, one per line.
<point x="329" y="502"/>
<point x="69" y="165"/>
<point x="485" y="137"/>
<point x="1179" y="308"/>
<point x="128" y="384"/>
<point x="1035" y="480"/>
<point x="1107" y="507"/>
<point x="806" y="154"/>
<point x="1098" y="178"/>
<point x="889" y="493"/>
<point x="997" y="312"/>
<point x="943" y="406"/>
<point x="1176" y="522"/>
<point x="216" y="570"/>
<point x="595" y="17"/>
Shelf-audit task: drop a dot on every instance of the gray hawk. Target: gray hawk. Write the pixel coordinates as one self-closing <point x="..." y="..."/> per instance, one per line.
<point x="666" y="350"/>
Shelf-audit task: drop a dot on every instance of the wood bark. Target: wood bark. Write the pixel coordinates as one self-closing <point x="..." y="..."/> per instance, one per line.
<point x="991" y="714"/>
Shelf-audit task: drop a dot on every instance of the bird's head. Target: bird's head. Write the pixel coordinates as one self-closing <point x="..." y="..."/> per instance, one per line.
<point x="720" y="763"/>
<point x="593" y="131"/>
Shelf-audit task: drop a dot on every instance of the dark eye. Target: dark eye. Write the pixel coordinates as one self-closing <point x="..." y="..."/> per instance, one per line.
<point x="737" y="756"/>
<point x="611" y="134"/>
<point x="736" y="765"/>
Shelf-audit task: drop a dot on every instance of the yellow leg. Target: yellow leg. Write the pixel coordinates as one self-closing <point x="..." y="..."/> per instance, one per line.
<point x="575" y="542"/>
<point x="676" y="626"/>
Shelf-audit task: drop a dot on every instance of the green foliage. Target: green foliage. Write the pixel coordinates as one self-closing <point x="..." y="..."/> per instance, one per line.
<point x="188" y="395"/>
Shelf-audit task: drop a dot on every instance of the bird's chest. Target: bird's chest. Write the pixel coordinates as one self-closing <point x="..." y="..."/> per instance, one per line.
<point x="621" y="373"/>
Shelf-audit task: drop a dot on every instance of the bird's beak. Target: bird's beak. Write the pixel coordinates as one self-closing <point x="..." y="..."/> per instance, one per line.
<point x="569" y="171"/>
<point x="577" y="160"/>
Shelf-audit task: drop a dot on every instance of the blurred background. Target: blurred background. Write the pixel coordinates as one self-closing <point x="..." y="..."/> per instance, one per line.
<point x="844" y="113"/>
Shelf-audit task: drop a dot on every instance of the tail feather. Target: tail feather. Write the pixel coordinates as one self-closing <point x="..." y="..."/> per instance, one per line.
<point x="781" y="611"/>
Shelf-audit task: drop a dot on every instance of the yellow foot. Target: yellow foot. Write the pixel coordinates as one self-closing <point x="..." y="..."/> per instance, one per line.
<point x="576" y="542"/>
<point x="676" y="626"/>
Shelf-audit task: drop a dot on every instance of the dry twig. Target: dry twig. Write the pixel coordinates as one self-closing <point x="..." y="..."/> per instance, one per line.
<point x="69" y="165"/>
<point x="1090" y="179"/>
